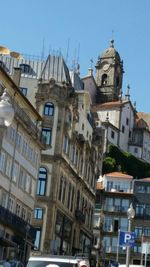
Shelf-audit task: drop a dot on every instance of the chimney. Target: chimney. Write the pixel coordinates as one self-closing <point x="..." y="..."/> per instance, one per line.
<point x="90" y="72"/>
<point x="16" y="76"/>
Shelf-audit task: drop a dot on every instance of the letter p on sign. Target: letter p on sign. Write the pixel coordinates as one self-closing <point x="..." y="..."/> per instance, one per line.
<point x="127" y="238"/>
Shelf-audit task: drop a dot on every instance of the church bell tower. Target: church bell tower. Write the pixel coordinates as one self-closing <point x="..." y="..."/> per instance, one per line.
<point x="109" y="75"/>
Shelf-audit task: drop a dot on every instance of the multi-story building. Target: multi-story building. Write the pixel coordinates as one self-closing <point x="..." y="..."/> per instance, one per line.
<point x="141" y="223"/>
<point x="71" y="163"/>
<point x="113" y="198"/>
<point x="115" y="192"/>
<point x="20" y="146"/>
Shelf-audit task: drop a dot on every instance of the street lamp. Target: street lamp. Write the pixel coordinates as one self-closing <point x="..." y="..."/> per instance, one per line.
<point x="130" y="215"/>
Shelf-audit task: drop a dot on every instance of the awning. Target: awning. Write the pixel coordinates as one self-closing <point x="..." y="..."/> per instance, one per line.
<point x="7" y="243"/>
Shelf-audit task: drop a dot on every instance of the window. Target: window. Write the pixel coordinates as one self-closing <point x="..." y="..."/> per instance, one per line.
<point x="136" y="150"/>
<point x="104" y="79"/>
<point x="23" y="213"/>
<point x="28" y="184"/>
<point x="37" y="238"/>
<point x="15" y="172"/>
<point x="139" y="210"/>
<point x="116" y="225"/>
<point x="47" y="136"/>
<point x="114" y="245"/>
<point x="2" y="161"/>
<point x="10" y="204"/>
<point x="18" y="141"/>
<point x="107" y="243"/>
<point x="18" y="208"/>
<point x="146" y="231"/>
<point x="141" y="189"/>
<point x="41" y="189"/>
<point x="38" y="213"/>
<point x="22" y="179"/>
<point x="138" y="231"/>
<point x="123" y="128"/>
<point x="147" y="210"/>
<point x="65" y="144"/>
<point x="3" y="199"/>
<point x="8" y="166"/>
<point x="64" y="191"/>
<point x="49" y="109"/>
<point x="112" y="134"/>
<point x="73" y="154"/>
<point x="127" y="121"/>
<point x="23" y="90"/>
<point x="60" y="188"/>
<point x="69" y="194"/>
<point x="125" y="205"/>
<point x="26" y="69"/>
<point x="72" y="199"/>
<point x="123" y="224"/>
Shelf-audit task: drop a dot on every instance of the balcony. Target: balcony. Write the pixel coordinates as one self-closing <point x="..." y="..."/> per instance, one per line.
<point x="16" y="223"/>
<point x="80" y="216"/>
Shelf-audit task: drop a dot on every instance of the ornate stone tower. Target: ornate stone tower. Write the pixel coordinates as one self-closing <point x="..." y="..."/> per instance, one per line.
<point x="109" y="74"/>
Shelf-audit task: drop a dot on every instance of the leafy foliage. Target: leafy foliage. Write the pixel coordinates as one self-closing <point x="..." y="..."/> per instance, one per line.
<point x="117" y="160"/>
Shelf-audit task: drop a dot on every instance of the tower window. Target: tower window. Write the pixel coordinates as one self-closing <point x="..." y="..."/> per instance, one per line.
<point x="49" y="109"/>
<point x="104" y="79"/>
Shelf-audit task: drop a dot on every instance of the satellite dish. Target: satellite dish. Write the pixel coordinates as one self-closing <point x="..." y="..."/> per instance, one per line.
<point x="15" y="55"/>
<point x="4" y="50"/>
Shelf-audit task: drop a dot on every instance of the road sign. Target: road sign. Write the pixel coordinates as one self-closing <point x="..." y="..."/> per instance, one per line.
<point x="127" y="239"/>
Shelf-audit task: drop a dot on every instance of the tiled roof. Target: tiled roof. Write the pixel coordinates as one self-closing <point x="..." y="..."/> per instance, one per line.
<point x="108" y="105"/>
<point x="145" y="179"/>
<point x="145" y="117"/>
<point x="119" y="175"/>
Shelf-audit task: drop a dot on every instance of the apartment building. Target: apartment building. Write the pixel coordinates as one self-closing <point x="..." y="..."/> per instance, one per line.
<point x="20" y="148"/>
<point x="114" y="195"/>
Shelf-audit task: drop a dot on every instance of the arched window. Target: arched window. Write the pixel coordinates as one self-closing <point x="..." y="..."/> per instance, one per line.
<point x="104" y="79"/>
<point x="49" y="109"/>
<point x="41" y="189"/>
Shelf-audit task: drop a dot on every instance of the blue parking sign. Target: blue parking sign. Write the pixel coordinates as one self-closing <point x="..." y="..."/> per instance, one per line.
<point x="127" y="239"/>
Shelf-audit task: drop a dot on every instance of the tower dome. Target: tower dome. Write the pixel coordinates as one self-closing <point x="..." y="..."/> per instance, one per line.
<point x="110" y="52"/>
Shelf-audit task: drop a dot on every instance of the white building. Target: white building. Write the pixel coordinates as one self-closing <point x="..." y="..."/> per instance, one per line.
<point x="19" y="163"/>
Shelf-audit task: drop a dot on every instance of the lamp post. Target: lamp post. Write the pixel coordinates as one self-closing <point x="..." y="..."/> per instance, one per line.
<point x="130" y="215"/>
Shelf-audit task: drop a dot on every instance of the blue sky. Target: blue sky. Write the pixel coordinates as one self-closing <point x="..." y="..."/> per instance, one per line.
<point x="81" y="30"/>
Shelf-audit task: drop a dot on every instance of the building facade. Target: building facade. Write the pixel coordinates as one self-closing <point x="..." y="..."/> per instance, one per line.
<point x="20" y="148"/>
